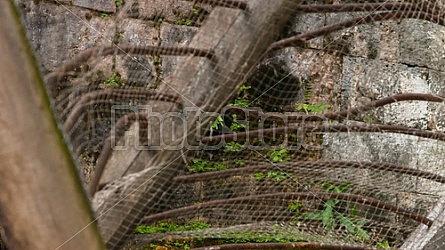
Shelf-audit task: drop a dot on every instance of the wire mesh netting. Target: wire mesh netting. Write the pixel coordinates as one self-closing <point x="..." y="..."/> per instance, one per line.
<point x="252" y="125"/>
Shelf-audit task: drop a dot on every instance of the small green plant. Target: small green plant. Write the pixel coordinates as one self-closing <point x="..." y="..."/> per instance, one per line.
<point x="114" y="81"/>
<point x="384" y="245"/>
<point x="259" y="176"/>
<point x="176" y="244"/>
<point x="240" y="163"/>
<point x="164" y="227"/>
<point x="118" y="3"/>
<point x="243" y="88"/>
<point x="281" y="155"/>
<point x="205" y="166"/>
<point x="160" y="20"/>
<point x="331" y="219"/>
<point x="369" y="120"/>
<point x="235" y="126"/>
<point x="330" y="187"/>
<point x="119" y="35"/>
<point x="104" y="15"/>
<point x="233" y="147"/>
<point x="241" y="102"/>
<point x="195" y="11"/>
<point x="219" y="121"/>
<point x="181" y="245"/>
<point x="312" y="108"/>
<point x="295" y="207"/>
<point x="188" y="22"/>
<point x="157" y="60"/>
<point x="275" y="176"/>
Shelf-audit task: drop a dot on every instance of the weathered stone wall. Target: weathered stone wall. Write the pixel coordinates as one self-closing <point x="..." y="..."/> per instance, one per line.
<point x="58" y="31"/>
<point x="379" y="60"/>
<point x="407" y="56"/>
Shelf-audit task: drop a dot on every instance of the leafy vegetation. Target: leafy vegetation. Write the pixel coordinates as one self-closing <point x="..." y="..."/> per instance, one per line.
<point x="330" y="187"/>
<point x="240" y="163"/>
<point x="157" y="60"/>
<point x="104" y="15"/>
<point x="312" y="108"/>
<point x="307" y="106"/>
<point x="114" y="81"/>
<point x="186" y="22"/>
<point x="235" y="126"/>
<point x="226" y="238"/>
<point x="173" y="245"/>
<point x="241" y="102"/>
<point x="281" y="155"/>
<point x="233" y="147"/>
<point x="295" y="207"/>
<point x="277" y="176"/>
<point x="164" y="227"/>
<point x="369" y="120"/>
<point x="118" y="3"/>
<point x="205" y="166"/>
<point x="195" y="11"/>
<point x="216" y="124"/>
<point x="384" y="245"/>
<point x="331" y="218"/>
<point x="243" y="88"/>
<point x="235" y="237"/>
<point x="259" y="176"/>
<point x="118" y="35"/>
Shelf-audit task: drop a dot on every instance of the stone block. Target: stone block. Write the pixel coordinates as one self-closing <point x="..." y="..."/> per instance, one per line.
<point x="57" y="32"/>
<point x="174" y="35"/>
<point x="99" y="5"/>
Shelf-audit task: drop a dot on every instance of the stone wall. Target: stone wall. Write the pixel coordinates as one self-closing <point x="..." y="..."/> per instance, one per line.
<point x="59" y="30"/>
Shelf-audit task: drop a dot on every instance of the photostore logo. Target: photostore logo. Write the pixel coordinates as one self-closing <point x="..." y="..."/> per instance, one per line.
<point x="232" y="129"/>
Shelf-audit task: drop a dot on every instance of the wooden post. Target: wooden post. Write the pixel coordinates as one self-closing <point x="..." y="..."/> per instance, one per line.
<point x="42" y="202"/>
<point x="239" y="38"/>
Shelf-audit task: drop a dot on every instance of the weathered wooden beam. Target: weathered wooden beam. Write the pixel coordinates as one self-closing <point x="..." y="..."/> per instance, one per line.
<point x="42" y="202"/>
<point x="432" y="237"/>
<point x="239" y="39"/>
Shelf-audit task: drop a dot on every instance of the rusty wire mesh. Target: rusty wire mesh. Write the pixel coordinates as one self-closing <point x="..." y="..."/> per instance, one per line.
<point x="323" y="142"/>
